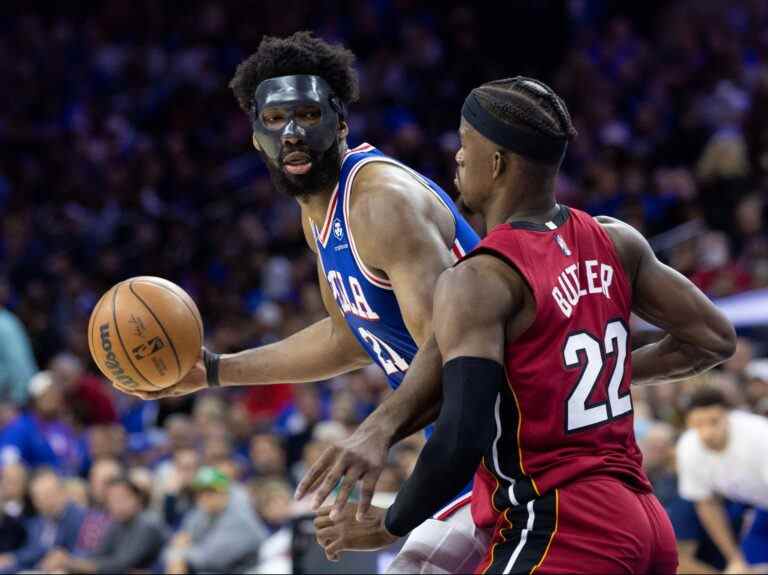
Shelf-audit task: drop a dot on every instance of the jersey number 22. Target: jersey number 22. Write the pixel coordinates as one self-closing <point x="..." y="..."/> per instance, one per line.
<point x="585" y="351"/>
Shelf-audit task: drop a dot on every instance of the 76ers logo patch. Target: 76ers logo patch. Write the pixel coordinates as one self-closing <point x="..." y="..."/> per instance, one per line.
<point x="338" y="231"/>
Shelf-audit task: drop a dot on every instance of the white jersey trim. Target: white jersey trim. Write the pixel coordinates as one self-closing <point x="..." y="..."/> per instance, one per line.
<point x="324" y="233"/>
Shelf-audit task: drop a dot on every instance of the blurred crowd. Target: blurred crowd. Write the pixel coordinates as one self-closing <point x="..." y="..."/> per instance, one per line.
<point x="125" y="154"/>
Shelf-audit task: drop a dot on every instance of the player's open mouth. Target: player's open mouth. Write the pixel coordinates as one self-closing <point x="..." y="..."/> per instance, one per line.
<point x="297" y="163"/>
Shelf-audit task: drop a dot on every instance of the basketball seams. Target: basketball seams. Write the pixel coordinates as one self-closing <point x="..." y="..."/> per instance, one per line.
<point x="119" y="337"/>
<point x="195" y="313"/>
<point x="159" y="323"/>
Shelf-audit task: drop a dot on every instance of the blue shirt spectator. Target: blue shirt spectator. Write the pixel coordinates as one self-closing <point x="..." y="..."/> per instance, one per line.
<point x="56" y="526"/>
<point x="40" y="436"/>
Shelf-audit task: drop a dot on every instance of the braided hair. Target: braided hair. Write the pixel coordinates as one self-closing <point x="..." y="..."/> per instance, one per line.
<point x="528" y="104"/>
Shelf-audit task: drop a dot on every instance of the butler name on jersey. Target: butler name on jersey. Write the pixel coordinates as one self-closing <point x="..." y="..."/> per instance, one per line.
<point x="569" y="291"/>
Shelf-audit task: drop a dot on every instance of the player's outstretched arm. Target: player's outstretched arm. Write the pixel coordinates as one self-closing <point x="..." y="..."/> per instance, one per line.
<point x="698" y="336"/>
<point x="473" y="304"/>
<point x="320" y="351"/>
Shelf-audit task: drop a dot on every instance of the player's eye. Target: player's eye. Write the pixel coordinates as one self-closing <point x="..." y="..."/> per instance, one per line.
<point x="309" y="116"/>
<point x="273" y="119"/>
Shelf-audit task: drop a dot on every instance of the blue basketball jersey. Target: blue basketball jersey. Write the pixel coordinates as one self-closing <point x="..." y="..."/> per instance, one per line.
<point x="367" y="300"/>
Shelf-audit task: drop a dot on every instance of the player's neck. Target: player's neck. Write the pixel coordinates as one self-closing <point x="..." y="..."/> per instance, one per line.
<point x="316" y="204"/>
<point x="525" y="192"/>
<point x="535" y="207"/>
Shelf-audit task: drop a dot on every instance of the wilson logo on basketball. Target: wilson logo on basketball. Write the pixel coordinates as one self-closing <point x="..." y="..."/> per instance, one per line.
<point x="146" y="349"/>
<point x="145" y="334"/>
<point x="111" y="360"/>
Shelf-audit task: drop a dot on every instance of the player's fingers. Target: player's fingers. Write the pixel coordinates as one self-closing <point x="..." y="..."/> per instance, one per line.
<point x="326" y="536"/>
<point x="316" y="473"/>
<point x="368" y="484"/>
<point x="324" y="511"/>
<point x="334" y="549"/>
<point x="332" y="557"/>
<point x="323" y="522"/>
<point x="328" y="483"/>
<point x="133" y="392"/>
<point x="347" y="485"/>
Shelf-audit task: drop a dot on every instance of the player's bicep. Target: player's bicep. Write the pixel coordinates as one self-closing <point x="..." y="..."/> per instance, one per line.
<point x="414" y="276"/>
<point x="473" y="303"/>
<point x="398" y="232"/>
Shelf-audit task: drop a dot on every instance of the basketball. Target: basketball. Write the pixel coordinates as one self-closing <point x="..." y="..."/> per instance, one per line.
<point x="145" y="334"/>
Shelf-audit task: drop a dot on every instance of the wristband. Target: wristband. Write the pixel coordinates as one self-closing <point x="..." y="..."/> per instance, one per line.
<point x="211" y="362"/>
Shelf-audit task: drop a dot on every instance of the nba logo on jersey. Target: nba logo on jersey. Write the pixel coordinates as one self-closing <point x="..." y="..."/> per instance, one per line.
<point x="338" y="231"/>
<point x="563" y="246"/>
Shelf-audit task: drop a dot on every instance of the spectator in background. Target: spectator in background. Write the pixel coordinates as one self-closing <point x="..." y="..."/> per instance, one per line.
<point x="311" y="453"/>
<point x="723" y="455"/>
<point x="218" y="449"/>
<point x="179" y="433"/>
<point x="241" y="430"/>
<point x="17" y="362"/>
<point x="77" y="491"/>
<point x="56" y="525"/>
<point x="267" y="456"/>
<point x="344" y="411"/>
<point x="658" y="447"/>
<point x="14" y="493"/>
<point x="209" y="415"/>
<point x="106" y="442"/>
<point x="13" y="507"/>
<point x="176" y="494"/>
<point x="41" y="435"/>
<point x="97" y="521"/>
<point x="133" y="541"/>
<point x="756" y="386"/>
<point x="297" y="422"/>
<point x="87" y="397"/>
<point x="222" y="533"/>
<point x="274" y="503"/>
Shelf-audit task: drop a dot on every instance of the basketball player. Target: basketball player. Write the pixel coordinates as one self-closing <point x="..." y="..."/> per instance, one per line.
<point x="533" y="331"/>
<point x="382" y="234"/>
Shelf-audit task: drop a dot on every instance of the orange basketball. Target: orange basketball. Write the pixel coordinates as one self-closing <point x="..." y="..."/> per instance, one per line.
<point x="145" y="333"/>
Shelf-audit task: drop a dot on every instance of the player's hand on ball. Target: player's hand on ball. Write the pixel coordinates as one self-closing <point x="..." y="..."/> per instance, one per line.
<point x="347" y="533"/>
<point x="360" y="457"/>
<point x="194" y="381"/>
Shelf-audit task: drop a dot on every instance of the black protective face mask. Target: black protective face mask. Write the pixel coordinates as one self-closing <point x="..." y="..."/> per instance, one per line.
<point x="316" y="138"/>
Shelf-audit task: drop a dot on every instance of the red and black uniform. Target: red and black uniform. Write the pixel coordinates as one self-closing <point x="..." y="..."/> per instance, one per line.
<point x="562" y="483"/>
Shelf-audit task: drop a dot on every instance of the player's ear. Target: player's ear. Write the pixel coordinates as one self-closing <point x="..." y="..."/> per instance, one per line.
<point x="343" y="129"/>
<point x="255" y="142"/>
<point x="499" y="164"/>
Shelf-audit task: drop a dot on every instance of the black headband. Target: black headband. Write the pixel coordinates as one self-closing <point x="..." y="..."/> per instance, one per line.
<point x="527" y="143"/>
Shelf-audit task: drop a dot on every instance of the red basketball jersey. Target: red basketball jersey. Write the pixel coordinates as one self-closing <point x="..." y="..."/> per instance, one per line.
<point x="567" y="412"/>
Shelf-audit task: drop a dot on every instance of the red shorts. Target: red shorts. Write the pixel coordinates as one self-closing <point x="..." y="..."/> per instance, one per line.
<point x="595" y="525"/>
